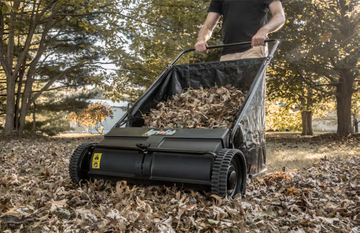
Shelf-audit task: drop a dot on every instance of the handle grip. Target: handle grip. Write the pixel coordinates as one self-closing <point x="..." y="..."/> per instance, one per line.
<point x="230" y="45"/>
<point x="219" y="46"/>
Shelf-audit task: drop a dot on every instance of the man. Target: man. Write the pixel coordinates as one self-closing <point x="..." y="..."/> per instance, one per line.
<point x="244" y="20"/>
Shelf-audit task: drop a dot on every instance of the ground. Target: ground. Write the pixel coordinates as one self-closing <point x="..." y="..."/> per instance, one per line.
<point x="311" y="186"/>
<point x="296" y="152"/>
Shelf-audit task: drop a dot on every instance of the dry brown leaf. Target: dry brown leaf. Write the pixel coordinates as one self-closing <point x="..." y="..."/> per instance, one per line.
<point x="193" y="109"/>
<point x="326" y="197"/>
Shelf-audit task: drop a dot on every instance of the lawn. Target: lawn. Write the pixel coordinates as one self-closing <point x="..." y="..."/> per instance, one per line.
<point x="296" y="152"/>
<point x="318" y="192"/>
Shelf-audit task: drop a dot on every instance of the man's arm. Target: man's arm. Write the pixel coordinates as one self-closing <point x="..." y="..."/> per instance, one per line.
<point x="206" y="31"/>
<point x="276" y="22"/>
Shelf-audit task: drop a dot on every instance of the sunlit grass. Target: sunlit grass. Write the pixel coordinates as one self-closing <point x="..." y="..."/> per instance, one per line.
<point x="296" y="155"/>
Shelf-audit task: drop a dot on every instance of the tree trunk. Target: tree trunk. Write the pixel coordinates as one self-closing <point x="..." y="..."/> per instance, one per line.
<point x="18" y="96"/>
<point x="11" y="76"/>
<point x="34" y="119"/>
<point x="17" y="104"/>
<point x="344" y="93"/>
<point x="306" y="113"/>
<point x="7" y="62"/>
<point x="306" y="117"/>
<point x="356" y="126"/>
<point x="10" y="105"/>
<point x="25" y="103"/>
<point x="26" y="98"/>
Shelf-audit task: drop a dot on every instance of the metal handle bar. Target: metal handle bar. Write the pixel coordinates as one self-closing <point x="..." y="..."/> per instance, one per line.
<point x="215" y="47"/>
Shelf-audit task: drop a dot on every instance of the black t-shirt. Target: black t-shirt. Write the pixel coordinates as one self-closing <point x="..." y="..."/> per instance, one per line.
<point x="241" y="20"/>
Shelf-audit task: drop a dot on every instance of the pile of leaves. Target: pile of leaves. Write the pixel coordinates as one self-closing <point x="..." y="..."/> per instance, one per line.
<point x="322" y="198"/>
<point x="38" y="196"/>
<point x="210" y="108"/>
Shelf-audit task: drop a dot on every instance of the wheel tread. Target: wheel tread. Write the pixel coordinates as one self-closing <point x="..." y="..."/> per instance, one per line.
<point x="220" y="170"/>
<point x="77" y="155"/>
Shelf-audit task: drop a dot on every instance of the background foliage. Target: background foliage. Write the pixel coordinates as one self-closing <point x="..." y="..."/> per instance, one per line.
<point x="92" y="117"/>
<point x="47" y="47"/>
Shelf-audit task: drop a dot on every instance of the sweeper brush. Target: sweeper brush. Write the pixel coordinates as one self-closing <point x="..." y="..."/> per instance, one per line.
<point x="217" y="160"/>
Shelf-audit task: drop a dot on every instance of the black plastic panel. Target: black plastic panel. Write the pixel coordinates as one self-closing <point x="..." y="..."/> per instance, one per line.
<point x="154" y="167"/>
<point x="119" y="161"/>
<point x="201" y="144"/>
<point x="181" y="166"/>
<point x="182" y="133"/>
<point x="184" y="139"/>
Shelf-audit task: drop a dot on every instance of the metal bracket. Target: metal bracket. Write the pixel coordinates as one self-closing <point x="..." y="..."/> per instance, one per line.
<point x="142" y="146"/>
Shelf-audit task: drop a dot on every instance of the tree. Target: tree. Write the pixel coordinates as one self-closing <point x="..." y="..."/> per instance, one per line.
<point x="284" y="81"/>
<point x="158" y="31"/>
<point x="2" y="98"/>
<point x="321" y="59"/>
<point x="356" y="111"/>
<point x="324" y="56"/>
<point x="43" y="43"/>
<point x="333" y="48"/>
<point x="50" y="113"/>
<point x="93" y="116"/>
<point x="281" y="116"/>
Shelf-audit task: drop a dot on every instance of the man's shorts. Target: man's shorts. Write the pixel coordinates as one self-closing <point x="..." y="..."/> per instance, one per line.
<point x="256" y="52"/>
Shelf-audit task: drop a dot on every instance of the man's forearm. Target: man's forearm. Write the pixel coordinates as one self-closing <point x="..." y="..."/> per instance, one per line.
<point x="276" y="22"/>
<point x="209" y="25"/>
<point x="206" y="31"/>
<point x="204" y="34"/>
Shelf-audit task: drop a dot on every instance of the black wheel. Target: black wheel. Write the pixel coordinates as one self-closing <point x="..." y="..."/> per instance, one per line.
<point x="228" y="176"/>
<point x="80" y="162"/>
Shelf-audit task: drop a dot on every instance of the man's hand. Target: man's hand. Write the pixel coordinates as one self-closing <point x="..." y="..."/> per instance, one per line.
<point x="200" y="46"/>
<point x="205" y="32"/>
<point x="259" y="38"/>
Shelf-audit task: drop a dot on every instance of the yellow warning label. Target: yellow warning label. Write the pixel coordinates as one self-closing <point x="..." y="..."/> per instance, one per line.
<point x="96" y="160"/>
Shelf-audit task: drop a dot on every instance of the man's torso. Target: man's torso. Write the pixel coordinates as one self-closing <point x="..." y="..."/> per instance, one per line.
<point x="241" y="20"/>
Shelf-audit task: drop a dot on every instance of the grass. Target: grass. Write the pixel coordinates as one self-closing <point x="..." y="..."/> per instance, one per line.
<point x="294" y="153"/>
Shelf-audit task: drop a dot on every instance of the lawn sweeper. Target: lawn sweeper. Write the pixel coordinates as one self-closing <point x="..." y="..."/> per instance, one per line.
<point x="213" y="160"/>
